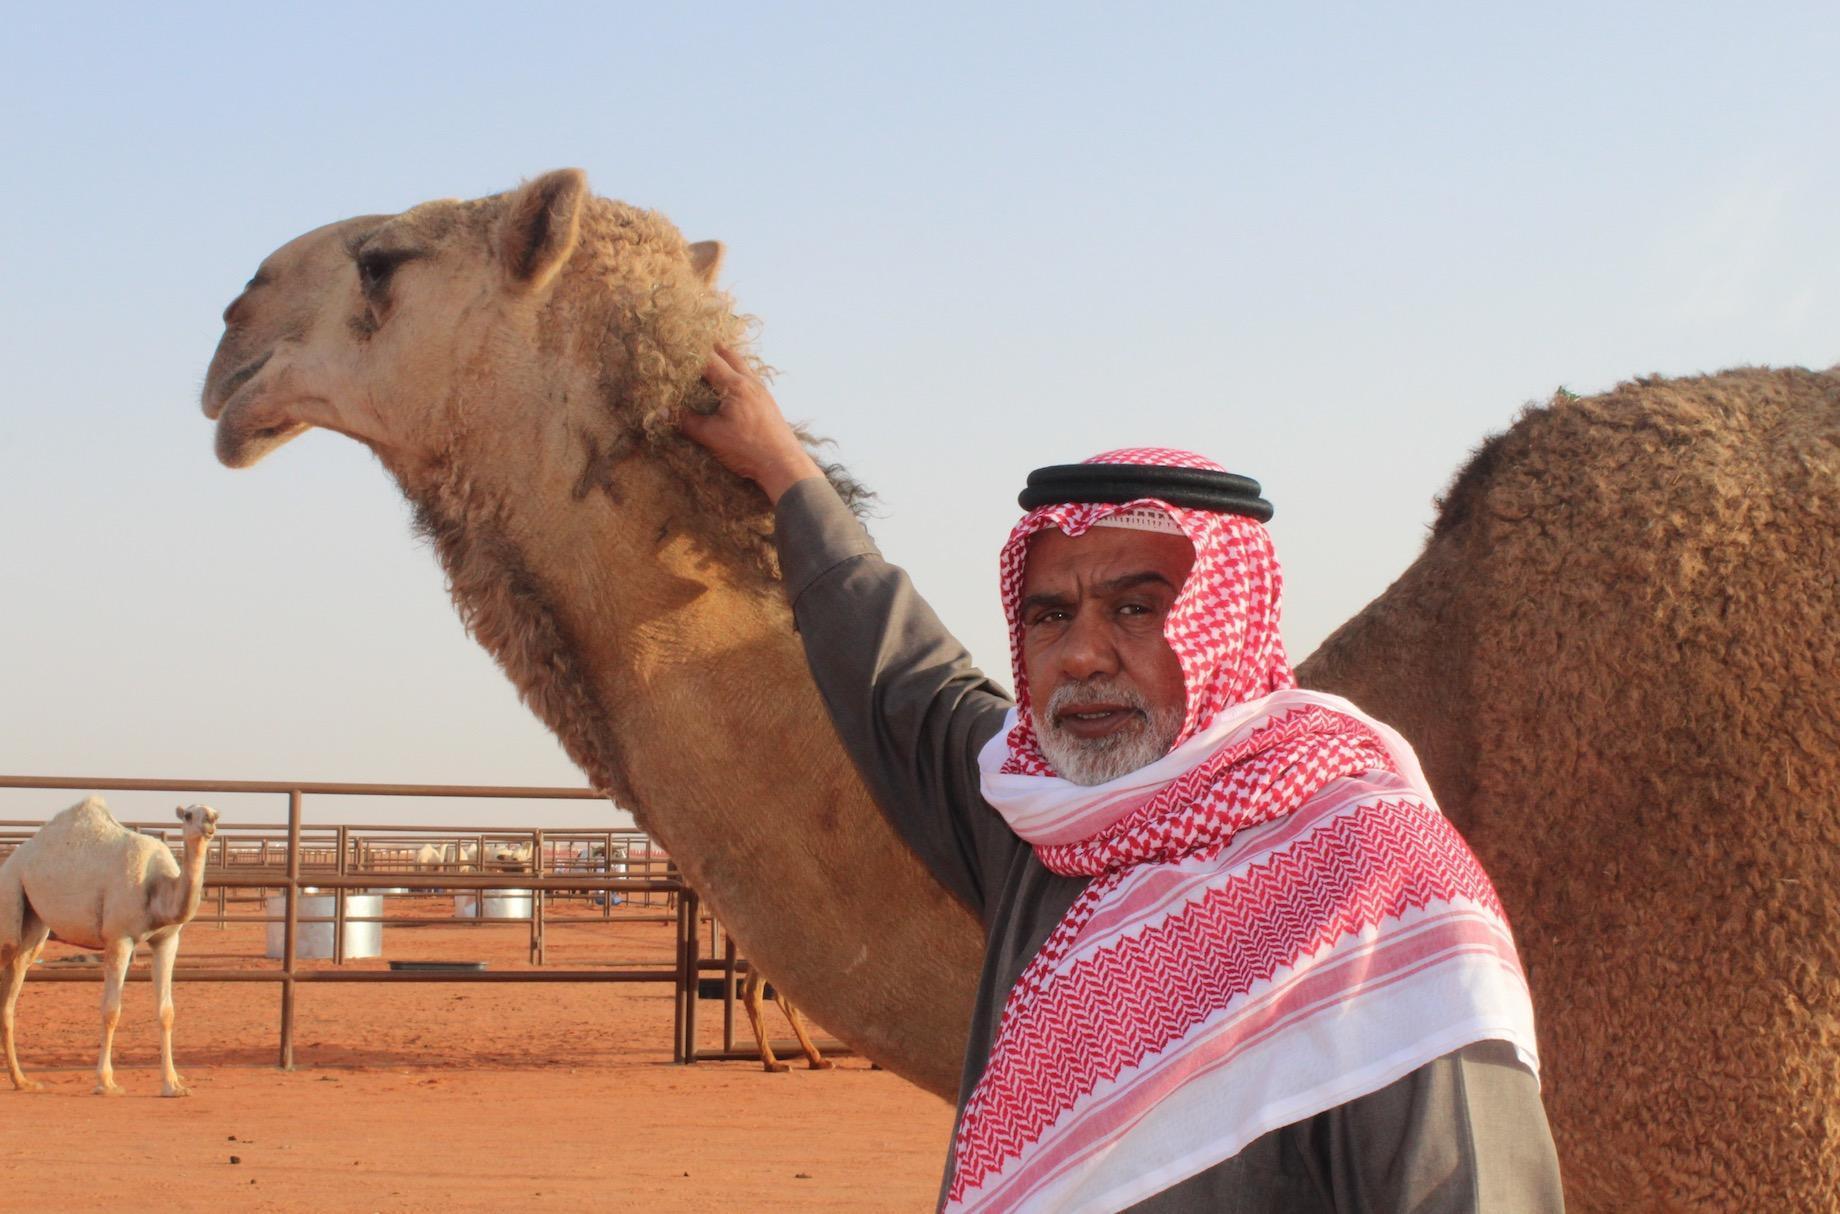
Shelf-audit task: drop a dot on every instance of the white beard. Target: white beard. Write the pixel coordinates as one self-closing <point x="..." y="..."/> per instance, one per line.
<point x="1095" y="761"/>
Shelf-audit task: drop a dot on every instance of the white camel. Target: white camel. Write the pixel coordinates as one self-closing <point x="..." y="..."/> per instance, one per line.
<point x="508" y="857"/>
<point x="446" y="858"/>
<point x="99" y="885"/>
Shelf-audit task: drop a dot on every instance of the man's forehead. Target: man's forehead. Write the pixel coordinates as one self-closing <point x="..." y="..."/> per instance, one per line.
<point x="1101" y="554"/>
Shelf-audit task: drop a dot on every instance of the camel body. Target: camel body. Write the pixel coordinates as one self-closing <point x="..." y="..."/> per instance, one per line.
<point x="1610" y="657"/>
<point x="446" y="857"/>
<point x="101" y="886"/>
<point x="1618" y="660"/>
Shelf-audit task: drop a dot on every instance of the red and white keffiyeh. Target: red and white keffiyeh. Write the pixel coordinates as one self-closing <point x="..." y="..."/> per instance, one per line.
<point x="1280" y="920"/>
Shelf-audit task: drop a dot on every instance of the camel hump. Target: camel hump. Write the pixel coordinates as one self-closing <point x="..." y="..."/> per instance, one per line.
<point x="87" y="822"/>
<point x="91" y="810"/>
<point x="1724" y="444"/>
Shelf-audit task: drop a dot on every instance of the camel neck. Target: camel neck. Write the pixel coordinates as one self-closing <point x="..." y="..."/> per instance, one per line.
<point x="594" y="602"/>
<point x="176" y="900"/>
<point x="671" y="672"/>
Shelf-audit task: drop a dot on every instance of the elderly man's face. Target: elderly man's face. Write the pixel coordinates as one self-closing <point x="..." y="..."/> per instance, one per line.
<point x="1107" y="689"/>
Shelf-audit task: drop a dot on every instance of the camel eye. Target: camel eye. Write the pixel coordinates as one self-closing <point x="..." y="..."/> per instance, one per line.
<point x="374" y="270"/>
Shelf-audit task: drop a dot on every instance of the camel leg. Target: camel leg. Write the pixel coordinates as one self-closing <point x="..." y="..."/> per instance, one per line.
<point x="750" y="999"/>
<point x="16" y="963"/>
<point x="115" y="960"/>
<point x="163" y="953"/>
<point x="813" y="1058"/>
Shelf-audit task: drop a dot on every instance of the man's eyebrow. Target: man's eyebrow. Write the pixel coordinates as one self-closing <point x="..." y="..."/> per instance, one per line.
<point x="1131" y="581"/>
<point x="1045" y="599"/>
<point x="1117" y="585"/>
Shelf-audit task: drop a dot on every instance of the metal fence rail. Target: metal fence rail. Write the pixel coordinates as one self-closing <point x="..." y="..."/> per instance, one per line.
<point x="688" y="965"/>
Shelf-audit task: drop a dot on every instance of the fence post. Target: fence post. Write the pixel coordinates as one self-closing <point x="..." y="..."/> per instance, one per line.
<point x="289" y="930"/>
<point x="677" y="1010"/>
<point x="728" y="993"/>
<point x="689" y="955"/>
<point x="338" y="904"/>
<point x="536" y="900"/>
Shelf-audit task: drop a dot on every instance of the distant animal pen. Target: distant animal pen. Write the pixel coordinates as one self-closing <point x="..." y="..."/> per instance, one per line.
<point x="488" y="864"/>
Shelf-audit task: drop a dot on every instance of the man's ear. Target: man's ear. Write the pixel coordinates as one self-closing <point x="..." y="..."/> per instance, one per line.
<point x="706" y="260"/>
<point x="540" y="227"/>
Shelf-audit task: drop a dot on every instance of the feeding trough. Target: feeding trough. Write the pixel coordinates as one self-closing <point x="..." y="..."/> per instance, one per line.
<point x="493" y="904"/>
<point x="315" y="939"/>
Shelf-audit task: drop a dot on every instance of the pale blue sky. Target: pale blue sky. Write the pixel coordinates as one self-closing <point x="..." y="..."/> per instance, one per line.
<point x="1331" y="247"/>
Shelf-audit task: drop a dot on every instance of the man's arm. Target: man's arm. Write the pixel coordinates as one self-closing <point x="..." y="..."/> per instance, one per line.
<point x="910" y="706"/>
<point x="1463" y="1134"/>
<point x="907" y="701"/>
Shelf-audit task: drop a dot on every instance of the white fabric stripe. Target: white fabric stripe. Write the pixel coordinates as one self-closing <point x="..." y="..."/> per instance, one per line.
<point x="1376" y="1037"/>
<point x="1143" y="518"/>
<point x="1240" y="1016"/>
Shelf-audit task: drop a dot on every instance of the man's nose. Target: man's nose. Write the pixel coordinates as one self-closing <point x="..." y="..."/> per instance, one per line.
<point x="1088" y="647"/>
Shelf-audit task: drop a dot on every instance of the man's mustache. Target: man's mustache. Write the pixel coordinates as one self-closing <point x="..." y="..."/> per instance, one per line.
<point x="1107" y="689"/>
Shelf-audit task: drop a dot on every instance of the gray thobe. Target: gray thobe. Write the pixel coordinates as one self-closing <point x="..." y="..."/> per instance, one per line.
<point x="1464" y="1132"/>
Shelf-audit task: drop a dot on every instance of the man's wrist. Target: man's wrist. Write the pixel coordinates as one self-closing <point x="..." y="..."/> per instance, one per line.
<point x="783" y="475"/>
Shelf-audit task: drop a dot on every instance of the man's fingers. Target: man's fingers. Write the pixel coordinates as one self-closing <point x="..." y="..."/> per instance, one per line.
<point x="721" y="374"/>
<point x="736" y="361"/>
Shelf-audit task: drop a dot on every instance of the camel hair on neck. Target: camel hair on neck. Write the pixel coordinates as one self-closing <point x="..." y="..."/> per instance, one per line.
<point x="99" y="885"/>
<point x="1614" y="656"/>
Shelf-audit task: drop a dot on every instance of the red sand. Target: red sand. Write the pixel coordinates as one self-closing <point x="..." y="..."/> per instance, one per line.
<point x="445" y="1097"/>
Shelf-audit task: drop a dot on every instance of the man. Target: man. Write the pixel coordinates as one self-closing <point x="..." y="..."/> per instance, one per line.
<point x="1236" y="959"/>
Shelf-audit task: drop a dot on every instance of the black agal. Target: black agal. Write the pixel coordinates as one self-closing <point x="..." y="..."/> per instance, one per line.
<point x="1195" y="488"/>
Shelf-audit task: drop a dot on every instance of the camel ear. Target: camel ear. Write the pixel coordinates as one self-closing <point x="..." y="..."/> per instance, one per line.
<point x="540" y="228"/>
<point x="179" y="813"/>
<point x="706" y="260"/>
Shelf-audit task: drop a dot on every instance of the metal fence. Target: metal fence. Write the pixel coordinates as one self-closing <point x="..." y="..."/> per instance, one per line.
<point x="339" y="860"/>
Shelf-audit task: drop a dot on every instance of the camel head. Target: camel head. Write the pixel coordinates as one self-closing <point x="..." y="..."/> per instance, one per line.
<point x="509" y="857"/>
<point x="200" y="820"/>
<point x="565" y="324"/>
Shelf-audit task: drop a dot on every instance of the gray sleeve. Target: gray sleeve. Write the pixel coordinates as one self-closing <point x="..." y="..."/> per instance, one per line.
<point x="1463" y="1134"/>
<point x="909" y="705"/>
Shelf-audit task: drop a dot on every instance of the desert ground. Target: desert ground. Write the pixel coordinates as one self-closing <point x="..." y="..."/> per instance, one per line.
<point x="451" y="1097"/>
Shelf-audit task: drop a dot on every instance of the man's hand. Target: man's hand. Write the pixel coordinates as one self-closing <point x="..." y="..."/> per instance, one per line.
<point x="747" y="432"/>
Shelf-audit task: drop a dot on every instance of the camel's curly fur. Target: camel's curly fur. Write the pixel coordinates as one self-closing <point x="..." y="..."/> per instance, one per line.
<point x="1621" y="651"/>
<point x="632" y="284"/>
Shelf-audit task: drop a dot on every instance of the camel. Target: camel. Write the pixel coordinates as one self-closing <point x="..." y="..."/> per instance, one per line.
<point x="517" y="363"/>
<point x="446" y="858"/>
<point x="753" y="997"/>
<point x="1617" y="658"/>
<point x="99" y="885"/>
<point x="508" y="857"/>
<point x="609" y="564"/>
<point x="597" y="859"/>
